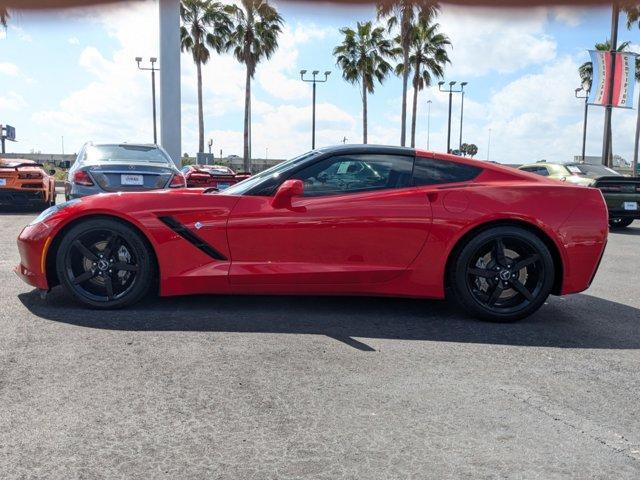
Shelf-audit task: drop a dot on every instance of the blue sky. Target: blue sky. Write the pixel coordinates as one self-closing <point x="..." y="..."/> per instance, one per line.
<point x="72" y="74"/>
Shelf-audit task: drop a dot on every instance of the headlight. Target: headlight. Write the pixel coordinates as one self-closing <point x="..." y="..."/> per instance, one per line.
<point x="49" y="212"/>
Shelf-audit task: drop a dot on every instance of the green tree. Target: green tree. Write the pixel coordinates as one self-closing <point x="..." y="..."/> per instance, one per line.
<point x="205" y="25"/>
<point x="362" y="58"/>
<point x="254" y="37"/>
<point x="471" y="150"/>
<point x="427" y="59"/>
<point x="403" y="15"/>
<point x="632" y="10"/>
<point x="4" y="16"/>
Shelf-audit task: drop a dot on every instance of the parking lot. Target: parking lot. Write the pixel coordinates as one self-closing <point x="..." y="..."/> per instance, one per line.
<point x="300" y="387"/>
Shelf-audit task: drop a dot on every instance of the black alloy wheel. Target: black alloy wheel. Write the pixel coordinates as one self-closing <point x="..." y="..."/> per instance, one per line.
<point x="503" y="274"/>
<point x="104" y="263"/>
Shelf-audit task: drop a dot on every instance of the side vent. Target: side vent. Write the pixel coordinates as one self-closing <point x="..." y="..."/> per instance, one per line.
<point x="192" y="238"/>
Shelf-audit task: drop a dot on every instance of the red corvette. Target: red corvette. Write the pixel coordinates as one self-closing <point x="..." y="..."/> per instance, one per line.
<point x="352" y="220"/>
<point x="212" y="176"/>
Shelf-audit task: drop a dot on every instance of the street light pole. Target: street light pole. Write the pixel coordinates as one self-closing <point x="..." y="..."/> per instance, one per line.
<point x="153" y="71"/>
<point x="606" y="144"/>
<point x="586" y="118"/>
<point x="451" y="92"/>
<point x="429" y="102"/>
<point x="461" y="113"/>
<point x="489" y="146"/>
<point x="314" y="81"/>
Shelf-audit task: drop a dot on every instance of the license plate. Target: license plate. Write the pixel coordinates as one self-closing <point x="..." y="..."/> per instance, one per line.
<point x="132" y="179"/>
<point x="3" y="182"/>
<point x="631" y="205"/>
<point x="222" y="186"/>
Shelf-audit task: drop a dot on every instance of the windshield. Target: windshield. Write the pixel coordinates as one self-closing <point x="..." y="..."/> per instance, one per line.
<point x="125" y="153"/>
<point x="269" y="178"/>
<point x="592" y="170"/>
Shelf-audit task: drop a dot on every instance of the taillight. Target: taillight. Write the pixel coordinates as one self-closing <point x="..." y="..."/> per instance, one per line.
<point x="178" y="181"/>
<point x="200" y="177"/>
<point x="82" y="178"/>
<point x="29" y="176"/>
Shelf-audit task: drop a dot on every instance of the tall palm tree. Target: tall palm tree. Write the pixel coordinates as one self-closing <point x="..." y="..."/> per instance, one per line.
<point x="361" y="57"/>
<point x="403" y="14"/>
<point x="254" y="37"/>
<point x="4" y="16"/>
<point x="205" y="25"/>
<point x="427" y="59"/>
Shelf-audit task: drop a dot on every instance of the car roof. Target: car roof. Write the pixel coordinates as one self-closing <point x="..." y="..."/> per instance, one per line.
<point x="367" y="148"/>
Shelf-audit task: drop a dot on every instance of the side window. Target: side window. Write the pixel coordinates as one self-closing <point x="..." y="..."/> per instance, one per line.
<point x="356" y="173"/>
<point x="542" y="171"/>
<point x="428" y="171"/>
<point x="185" y="169"/>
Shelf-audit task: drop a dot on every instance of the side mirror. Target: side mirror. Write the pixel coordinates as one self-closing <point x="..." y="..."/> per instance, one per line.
<point x="284" y="194"/>
<point x="563" y="179"/>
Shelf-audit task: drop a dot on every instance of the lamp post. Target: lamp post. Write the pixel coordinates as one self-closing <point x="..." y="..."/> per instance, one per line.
<point x="462" y="85"/>
<point x="429" y="102"/>
<point x="584" y="88"/>
<point x="451" y="92"/>
<point x="607" y="151"/>
<point x="314" y="81"/>
<point x="153" y="71"/>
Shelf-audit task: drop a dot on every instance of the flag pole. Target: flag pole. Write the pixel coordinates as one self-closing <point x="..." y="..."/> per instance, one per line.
<point x="606" y="144"/>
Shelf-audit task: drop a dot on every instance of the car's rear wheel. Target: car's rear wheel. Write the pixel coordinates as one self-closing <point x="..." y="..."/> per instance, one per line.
<point x="105" y="264"/>
<point x="503" y="274"/>
<point x="617" y="222"/>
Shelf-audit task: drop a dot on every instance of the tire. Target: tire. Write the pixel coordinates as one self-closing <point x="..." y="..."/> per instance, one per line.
<point x="503" y="274"/>
<point x="105" y="264"/>
<point x="617" y="222"/>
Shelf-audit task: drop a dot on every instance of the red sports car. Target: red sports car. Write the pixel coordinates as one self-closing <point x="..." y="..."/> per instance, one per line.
<point x="348" y="220"/>
<point x="212" y="176"/>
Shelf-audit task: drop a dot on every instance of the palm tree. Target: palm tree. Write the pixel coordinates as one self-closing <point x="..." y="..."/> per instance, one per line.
<point x="361" y="56"/>
<point x="4" y="16"/>
<point x="204" y="24"/>
<point x="254" y="37"/>
<point x="633" y="15"/>
<point x="403" y="13"/>
<point x="427" y="58"/>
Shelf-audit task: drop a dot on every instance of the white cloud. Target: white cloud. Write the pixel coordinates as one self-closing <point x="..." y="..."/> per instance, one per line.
<point x="10" y="69"/>
<point x="73" y="41"/>
<point x="21" y="33"/>
<point x="12" y="101"/>
<point x="491" y="40"/>
<point x="570" y="16"/>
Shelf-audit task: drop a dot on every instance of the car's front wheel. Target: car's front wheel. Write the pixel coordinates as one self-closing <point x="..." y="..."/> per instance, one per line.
<point x="617" y="222"/>
<point x="503" y="274"/>
<point x="105" y="264"/>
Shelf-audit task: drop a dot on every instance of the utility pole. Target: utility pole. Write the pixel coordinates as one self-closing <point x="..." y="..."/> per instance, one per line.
<point x="586" y="117"/>
<point x="451" y="92"/>
<point x="429" y="102"/>
<point x="461" y="113"/>
<point x="314" y="81"/>
<point x="489" y="147"/>
<point x="606" y="144"/>
<point x="153" y="71"/>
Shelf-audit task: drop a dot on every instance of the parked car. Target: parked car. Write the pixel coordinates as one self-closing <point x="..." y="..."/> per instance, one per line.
<point x="25" y="183"/>
<point x="621" y="193"/>
<point x="496" y="240"/>
<point x="212" y="176"/>
<point x="121" y="167"/>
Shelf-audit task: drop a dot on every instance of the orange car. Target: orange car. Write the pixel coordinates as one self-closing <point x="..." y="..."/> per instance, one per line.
<point x="25" y="183"/>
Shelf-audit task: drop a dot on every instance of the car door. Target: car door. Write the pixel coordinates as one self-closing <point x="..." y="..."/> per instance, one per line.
<point x="358" y="221"/>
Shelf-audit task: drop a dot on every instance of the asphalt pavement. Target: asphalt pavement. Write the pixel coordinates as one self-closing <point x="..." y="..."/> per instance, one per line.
<point x="310" y="387"/>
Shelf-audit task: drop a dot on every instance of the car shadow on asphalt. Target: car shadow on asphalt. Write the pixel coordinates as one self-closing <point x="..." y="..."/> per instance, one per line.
<point x="577" y="321"/>
<point x="626" y="231"/>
